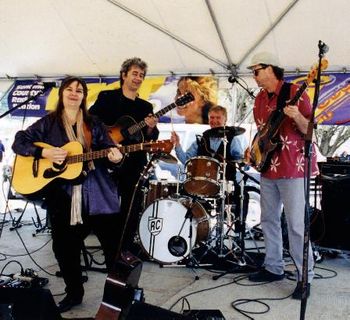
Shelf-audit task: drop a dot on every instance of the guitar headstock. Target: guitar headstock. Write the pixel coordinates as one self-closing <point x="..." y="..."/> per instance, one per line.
<point x="158" y="146"/>
<point x="184" y="99"/>
<point x="314" y="70"/>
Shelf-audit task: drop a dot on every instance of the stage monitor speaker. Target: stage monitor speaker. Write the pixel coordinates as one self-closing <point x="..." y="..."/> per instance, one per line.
<point x="335" y="206"/>
<point x="204" y="315"/>
<point x="144" y="311"/>
<point x="28" y="304"/>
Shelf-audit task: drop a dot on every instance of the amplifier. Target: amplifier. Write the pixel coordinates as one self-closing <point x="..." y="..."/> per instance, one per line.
<point x="327" y="168"/>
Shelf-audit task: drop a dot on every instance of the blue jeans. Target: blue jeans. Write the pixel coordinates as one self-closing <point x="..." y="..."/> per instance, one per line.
<point x="290" y="193"/>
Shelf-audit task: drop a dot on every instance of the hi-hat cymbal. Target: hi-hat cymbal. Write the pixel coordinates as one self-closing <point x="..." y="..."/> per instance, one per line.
<point x="219" y="132"/>
<point x="166" y="157"/>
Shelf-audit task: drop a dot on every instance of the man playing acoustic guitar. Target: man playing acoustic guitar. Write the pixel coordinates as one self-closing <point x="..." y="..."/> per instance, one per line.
<point x="122" y="108"/>
<point x="282" y="176"/>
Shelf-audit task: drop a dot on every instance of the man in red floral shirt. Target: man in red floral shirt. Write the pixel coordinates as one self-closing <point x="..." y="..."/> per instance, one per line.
<point x="282" y="182"/>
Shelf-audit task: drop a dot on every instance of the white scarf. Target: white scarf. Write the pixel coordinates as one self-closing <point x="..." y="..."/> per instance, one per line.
<point x="76" y="205"/>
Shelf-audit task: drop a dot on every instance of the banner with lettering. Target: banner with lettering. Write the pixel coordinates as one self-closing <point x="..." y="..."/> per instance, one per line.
<point x="334" y="99"/>
<point x="333" y="105"/>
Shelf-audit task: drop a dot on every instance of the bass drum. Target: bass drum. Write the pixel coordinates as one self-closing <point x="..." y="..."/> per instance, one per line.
<point x="165" y="229"/>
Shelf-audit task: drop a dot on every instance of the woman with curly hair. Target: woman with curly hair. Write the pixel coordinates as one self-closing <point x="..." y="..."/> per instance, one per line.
<point x="204" y="90"/>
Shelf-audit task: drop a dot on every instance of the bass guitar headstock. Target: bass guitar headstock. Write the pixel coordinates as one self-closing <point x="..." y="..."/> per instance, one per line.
<point x="314" y="70"/>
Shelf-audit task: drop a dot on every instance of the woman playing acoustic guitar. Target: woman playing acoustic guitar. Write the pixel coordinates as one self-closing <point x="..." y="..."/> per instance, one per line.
<point x="76" y="207"/>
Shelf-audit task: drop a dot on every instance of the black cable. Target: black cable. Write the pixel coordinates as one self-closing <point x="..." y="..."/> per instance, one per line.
<point x="243" y="301"/>
<point x="12" y="261"/>
<point x="30" y="256"/>
<point x="25" y="254"/>
<point x="199" y="291"/>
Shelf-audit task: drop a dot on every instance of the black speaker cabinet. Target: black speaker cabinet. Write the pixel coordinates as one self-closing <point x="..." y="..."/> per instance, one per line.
<point x="28" y="304"/>
<point x="335" y="204"/>
<point x="144" y="311"/>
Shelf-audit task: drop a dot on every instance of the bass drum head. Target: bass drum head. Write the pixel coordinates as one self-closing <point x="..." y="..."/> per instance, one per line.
<point x="164" y="231"/>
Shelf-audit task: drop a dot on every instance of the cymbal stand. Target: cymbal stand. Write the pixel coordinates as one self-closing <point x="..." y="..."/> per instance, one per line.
<point x="241" y="223"/>
<point x="221" y="216"/>
<point x="178" y="176"/>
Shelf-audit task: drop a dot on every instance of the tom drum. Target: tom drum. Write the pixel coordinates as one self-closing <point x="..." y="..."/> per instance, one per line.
<point x="202" y="176"/>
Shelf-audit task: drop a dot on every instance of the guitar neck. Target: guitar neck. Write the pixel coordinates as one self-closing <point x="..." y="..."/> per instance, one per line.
<point x="279" y="115"/>
<point x="298" y="94"/>
<point x="138" y="126"/>
<point x="103" y="153"/>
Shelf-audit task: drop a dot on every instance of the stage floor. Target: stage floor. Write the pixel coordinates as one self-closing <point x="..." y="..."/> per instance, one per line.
<point x="168" y="286"/>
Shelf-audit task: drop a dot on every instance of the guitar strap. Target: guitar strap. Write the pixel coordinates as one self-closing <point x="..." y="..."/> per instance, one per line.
<point x="283" y="96"/>
<point x="282" y="99"/>
<point x="87" y="134"/>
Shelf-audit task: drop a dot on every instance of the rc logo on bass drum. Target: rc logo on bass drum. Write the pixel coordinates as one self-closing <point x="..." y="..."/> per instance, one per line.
<point x="155" y="225"/>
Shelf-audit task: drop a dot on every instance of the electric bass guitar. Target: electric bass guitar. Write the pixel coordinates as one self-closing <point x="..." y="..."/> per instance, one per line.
<point x="31" y="175"/>
<point x="127" y="128"/>
<point x="266" y="140"/>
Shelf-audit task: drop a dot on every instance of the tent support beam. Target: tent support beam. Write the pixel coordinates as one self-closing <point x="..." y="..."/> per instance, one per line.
<point x="231" y="66"/>
<point x="170" y="34"/>
<point x="267" y="32"/>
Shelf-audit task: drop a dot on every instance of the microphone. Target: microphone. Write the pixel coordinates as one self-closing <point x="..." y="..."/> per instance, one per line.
<point x="232" y="79"/>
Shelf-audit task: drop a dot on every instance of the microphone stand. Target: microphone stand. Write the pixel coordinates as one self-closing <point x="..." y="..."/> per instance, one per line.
<point x="308" y="158"/>
<point x="46" y="86"/>
<point x="223" y="199"/>
<point x="233" y="79"/>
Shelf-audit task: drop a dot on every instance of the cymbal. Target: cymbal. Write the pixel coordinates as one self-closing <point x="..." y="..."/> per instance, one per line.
<point x="219" y="132"/>
<point x="166" y="157"/>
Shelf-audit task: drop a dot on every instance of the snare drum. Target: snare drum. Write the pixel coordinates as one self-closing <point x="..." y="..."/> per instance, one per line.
<point x="160" y="189"/>
<point x="202" y="176"/>
<point x="165" y="229"/>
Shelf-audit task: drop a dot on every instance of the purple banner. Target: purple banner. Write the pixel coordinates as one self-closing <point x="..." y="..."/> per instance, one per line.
<point x="334" y="99"/>
<point x="46" y="99"/>
<point x="21" y="92"/>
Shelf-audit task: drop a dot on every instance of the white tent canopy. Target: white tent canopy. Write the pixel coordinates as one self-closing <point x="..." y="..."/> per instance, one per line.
<point x="47" y="38"/>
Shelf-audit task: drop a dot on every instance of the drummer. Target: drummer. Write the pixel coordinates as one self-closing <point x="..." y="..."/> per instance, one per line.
<point x="210" y="144"/>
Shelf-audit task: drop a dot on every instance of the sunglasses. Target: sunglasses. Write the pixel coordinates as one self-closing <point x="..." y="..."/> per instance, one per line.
<point x="256" y="71"/>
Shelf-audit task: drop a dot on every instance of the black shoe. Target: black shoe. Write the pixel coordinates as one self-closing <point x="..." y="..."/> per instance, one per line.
<point x="68" y="303"/>
<point x="298" y="291"/>
<point x="265" y="276"/>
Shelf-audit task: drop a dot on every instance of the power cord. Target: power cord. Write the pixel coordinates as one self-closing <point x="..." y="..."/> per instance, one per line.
<point x="184" y="298"/>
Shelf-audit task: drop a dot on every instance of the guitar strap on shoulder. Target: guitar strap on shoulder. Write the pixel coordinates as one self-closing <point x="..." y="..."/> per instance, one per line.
<point x="87" y="134"/>
<point x="283" y="96"/>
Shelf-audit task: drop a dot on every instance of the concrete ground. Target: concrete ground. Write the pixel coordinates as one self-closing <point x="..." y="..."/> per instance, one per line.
<point x="176" y="286"/>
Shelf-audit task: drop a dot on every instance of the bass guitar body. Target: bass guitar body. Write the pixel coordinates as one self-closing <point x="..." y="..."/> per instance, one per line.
<point x="262" y="150"/>
<point x="266" y="140"/>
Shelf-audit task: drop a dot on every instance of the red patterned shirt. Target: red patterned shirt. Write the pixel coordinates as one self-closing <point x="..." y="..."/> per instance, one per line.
<point x="288" y="160"/>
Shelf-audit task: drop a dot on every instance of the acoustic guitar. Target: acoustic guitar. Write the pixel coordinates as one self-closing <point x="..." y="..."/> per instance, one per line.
<point x="126" y="128"/>
<point x="121" y="288"/>
<point x="30" y="175"/>
<point x="266" y="140"/>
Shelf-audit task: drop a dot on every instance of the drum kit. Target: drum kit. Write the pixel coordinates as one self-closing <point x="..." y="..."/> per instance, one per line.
<point x="179" y="217"/>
